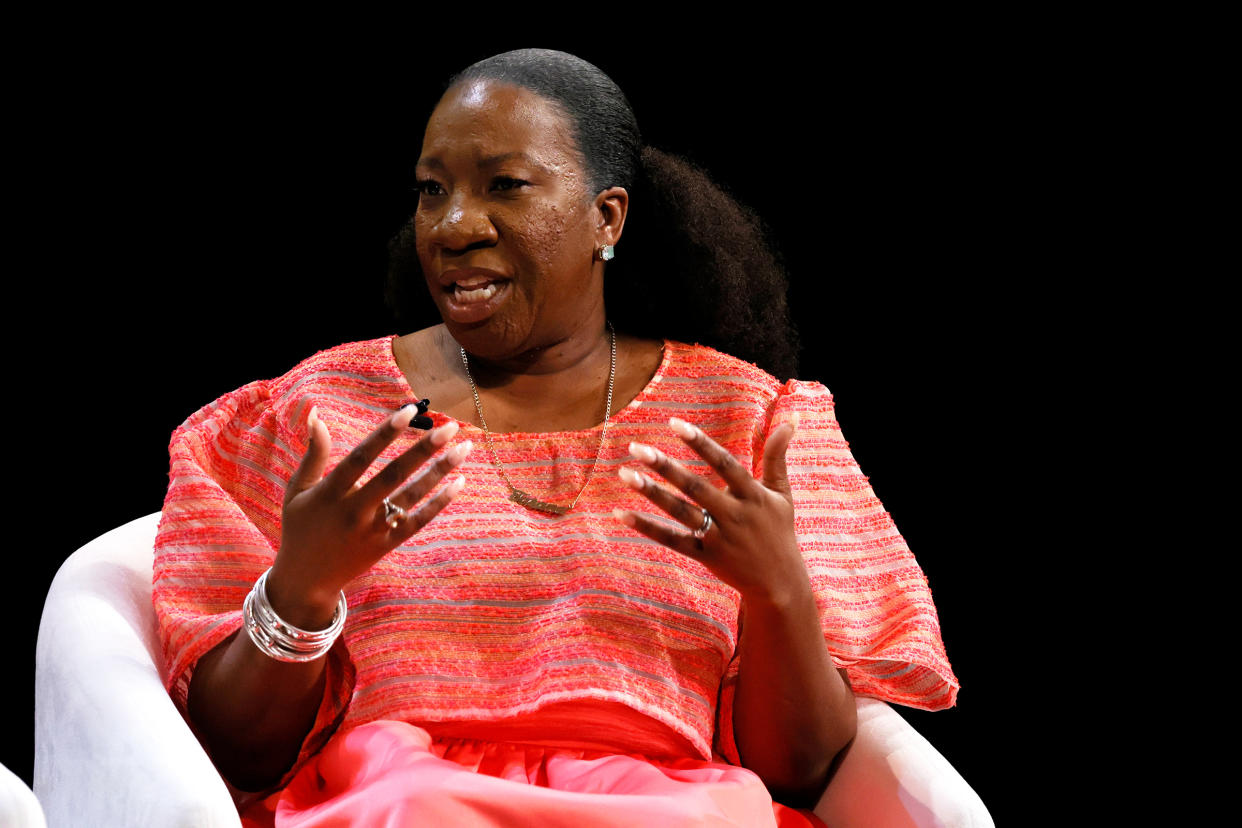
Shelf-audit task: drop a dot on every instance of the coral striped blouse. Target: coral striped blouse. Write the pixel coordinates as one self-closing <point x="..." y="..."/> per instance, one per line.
<point x="496" y="613"/>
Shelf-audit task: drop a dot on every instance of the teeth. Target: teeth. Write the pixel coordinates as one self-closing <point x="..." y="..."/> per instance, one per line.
<point x="461" y="294"/>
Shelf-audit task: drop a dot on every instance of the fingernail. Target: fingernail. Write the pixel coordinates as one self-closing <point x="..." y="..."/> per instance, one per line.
<point x="458" y="452"/>
<point x="623" y="516"/>
<point x="682" y="427"/>
<point x="644" y="453"/>
<point x="312" y="419"/>
<point x="795" y="419"/>
<point x="403" y="416"/>
<point x="455" y="486"/>
<point x="631" y="478"/>
<point x="444" y="433"/>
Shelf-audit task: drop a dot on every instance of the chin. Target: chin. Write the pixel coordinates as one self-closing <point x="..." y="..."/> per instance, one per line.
<point x="489" y="339"/>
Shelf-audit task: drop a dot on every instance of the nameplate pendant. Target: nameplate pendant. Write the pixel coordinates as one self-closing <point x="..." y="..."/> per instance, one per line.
<point x="531" y="502"/>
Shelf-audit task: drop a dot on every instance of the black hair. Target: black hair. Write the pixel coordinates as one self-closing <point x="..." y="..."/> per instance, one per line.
<point x="600" y="115"/>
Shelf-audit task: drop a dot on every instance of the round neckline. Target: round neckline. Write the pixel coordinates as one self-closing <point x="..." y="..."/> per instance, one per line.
<point x="440" y="418"/>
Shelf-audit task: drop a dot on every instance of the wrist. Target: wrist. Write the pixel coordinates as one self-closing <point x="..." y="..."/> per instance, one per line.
<point x="278" y="637"/>
<point x="792" y="592"/>
<point x="302" y="605"/>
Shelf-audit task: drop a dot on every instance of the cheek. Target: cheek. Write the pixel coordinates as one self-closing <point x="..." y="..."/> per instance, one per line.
<point x="421" y="225"/>
<point x="421" y="232"/>
<point x="553" y="234"/>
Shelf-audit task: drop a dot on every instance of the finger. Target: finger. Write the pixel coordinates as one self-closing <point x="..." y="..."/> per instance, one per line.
<point x="387" y="479"/>
<point x="422" y="515"/>
<point x="687" y="514"/>
<point x="418" y="488"/>
<point x="697" y="488"/>
<point x="736" y="476"/>
<point x="347" y="472"/>
<point x="315" y="460"/>
<point x="775" y="475"/>
<point x="661" y="533"/>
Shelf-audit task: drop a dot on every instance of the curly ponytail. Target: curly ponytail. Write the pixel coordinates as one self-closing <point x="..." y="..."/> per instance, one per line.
<point x="693" y="264"/>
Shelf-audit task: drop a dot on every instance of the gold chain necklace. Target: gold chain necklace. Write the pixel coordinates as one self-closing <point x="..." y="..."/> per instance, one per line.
<point x="525" y="498"/>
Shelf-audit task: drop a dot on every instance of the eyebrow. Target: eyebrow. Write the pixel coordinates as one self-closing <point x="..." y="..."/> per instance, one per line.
<point x="491" y="161"/>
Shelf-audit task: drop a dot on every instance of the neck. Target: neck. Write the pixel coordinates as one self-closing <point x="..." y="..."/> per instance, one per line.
<point x="580" y="351"/>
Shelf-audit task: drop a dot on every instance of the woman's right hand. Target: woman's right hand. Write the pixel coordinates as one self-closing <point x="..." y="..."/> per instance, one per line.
<point x="333" y="529"/>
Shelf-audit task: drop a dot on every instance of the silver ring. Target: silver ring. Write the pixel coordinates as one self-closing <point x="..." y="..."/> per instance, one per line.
<point x="393" y="514"/>
<point x="707" y="524"/>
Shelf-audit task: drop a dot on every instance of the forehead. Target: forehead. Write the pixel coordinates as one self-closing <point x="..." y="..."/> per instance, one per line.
<point x="486" y="118"/>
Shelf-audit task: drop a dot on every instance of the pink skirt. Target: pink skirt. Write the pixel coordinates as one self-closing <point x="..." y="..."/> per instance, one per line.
<point x="389" y="773"/>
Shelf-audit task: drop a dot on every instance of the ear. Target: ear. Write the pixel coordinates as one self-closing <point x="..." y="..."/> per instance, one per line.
<point x="611" y="206"/>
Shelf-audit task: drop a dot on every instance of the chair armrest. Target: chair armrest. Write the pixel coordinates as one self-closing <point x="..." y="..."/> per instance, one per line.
<point x="110" y="746"/>
<point x="893" y="777"/>
<point x="18" y="806"/>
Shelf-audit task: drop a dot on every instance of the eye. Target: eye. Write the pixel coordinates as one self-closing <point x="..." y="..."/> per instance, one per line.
<point x="428" y="187"/>
<point x="504" y="182"/>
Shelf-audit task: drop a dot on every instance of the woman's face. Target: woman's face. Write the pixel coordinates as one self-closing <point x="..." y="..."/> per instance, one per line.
<point x="506" y="229"/>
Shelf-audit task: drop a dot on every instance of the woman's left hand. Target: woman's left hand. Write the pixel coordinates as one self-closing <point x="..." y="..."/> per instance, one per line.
<point x="792" y="711"/>
<point x="750" y="544"/>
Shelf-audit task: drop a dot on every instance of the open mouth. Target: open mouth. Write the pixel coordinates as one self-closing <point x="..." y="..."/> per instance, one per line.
<point x="475" y="297"/>
<point x="470" y="291"/>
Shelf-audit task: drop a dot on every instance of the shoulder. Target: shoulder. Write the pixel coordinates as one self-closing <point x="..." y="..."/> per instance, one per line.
<point x="715" y="369"/>
<point x="350" y="372"/>
<point x="723" y="393"/>
<point x="699" y="362"/>
<point x="727" y="397"/>
<point x="369" y="360"/>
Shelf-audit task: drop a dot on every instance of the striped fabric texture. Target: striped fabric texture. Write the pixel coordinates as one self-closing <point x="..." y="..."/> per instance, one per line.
<point x="494" y="612"/>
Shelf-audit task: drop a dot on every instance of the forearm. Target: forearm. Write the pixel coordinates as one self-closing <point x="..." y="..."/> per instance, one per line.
<point x="793" y="710"/>
<point x="252" y="711"/>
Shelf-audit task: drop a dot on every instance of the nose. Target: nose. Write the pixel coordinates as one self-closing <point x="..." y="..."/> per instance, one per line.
<point x="464" y="224"/>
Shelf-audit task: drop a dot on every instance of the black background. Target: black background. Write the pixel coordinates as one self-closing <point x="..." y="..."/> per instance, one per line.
<point x="211" y="206"/>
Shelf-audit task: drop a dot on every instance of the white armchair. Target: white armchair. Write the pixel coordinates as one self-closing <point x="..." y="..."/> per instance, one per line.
<point x="112" y="749"/>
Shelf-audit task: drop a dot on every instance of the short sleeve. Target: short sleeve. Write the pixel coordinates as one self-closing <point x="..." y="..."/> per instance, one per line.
<point x="874" y="602"/>
<point x="220" y="530"/>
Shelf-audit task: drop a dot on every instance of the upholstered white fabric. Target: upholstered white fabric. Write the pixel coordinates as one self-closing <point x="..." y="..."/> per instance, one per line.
<point x="110" y="746"/>
<point x="18" y="806"/>
<point x="111" y="749"/>
<point x="893" y="778"/>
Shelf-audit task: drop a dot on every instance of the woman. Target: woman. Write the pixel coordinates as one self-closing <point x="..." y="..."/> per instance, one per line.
<point x="536" y="630"/>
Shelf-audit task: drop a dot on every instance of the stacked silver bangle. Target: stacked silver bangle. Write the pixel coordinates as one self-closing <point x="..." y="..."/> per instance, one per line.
<point x="280" y="639"/>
